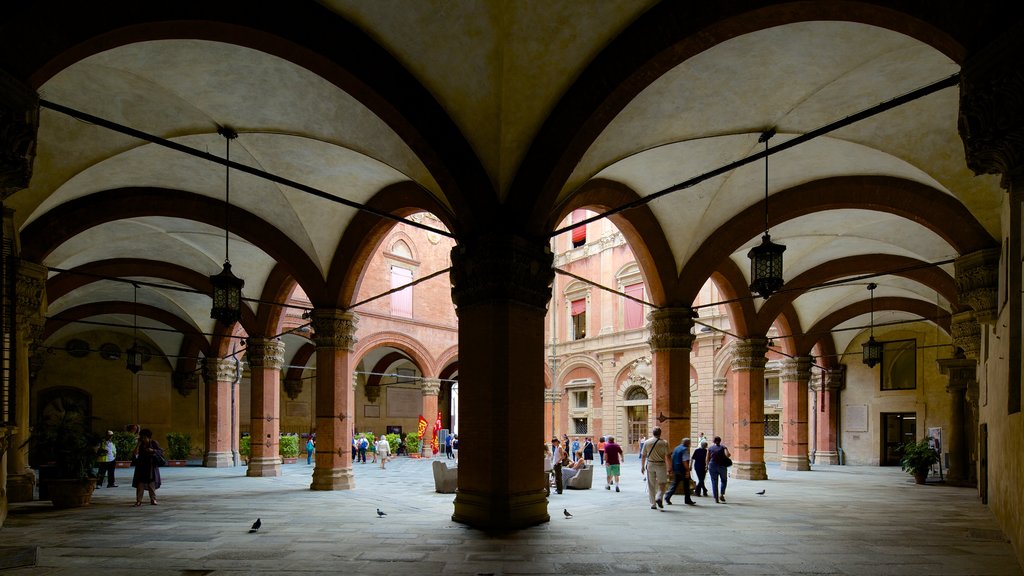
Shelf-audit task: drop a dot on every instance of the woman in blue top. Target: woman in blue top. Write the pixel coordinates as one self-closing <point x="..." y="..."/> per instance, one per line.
<point x="719" y="471"/>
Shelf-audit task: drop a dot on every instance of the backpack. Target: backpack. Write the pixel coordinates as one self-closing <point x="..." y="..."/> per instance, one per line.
<point x="364" y="443"/>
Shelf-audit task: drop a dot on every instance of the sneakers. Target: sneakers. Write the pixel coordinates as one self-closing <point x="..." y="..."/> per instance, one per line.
<point x="616" y="488"/>
<point x="658" y="502"/>
<point x="722" y="497"/>
<point x="653" y="507"/>
<point x="668" y="501"/>
<point x="607" y="486"/>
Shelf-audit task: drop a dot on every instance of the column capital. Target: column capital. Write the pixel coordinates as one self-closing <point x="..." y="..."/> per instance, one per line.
<point x="292" y="387"/>
<point x="670" y="329"/>
<point x="719" y="385"/>
<point x="836" y="379"/>
<point x="553" y="396"/>
<point x="265" y="353"/>
<point x="430" y="386"/>
<point x="796" y="369"/>
<point x="19" y="123"/>
<point x="749" y="354"/>
<point x="962" y="373"/>
<point x="334" y="328"/>
<point x="966" y="333"/>
<point x="496" y="267"/>
<point x="30" y="298"/>
<point x="977" y="283"/>
<point x="991" y="121"/>
<point x="219" y="370"/>
<point x="184" y="382"/>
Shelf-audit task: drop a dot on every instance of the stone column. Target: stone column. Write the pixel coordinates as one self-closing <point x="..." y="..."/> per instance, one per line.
<point x="718" y="386"/>
<point x="501" y="286"/>
<point x="671" y="342"/>
<point x="962" y="373"/>
<point x="748" y="401"/>
<point x="551" y="401"/>
<point x="222" y="424"/>
<point x="795" y="375"/>
<point x="430" y="388"/>
<point x="827" y="451"/>
<point x="334" y="333"/>
<point x="30" y="302"/>
<point x="266" y="357"/>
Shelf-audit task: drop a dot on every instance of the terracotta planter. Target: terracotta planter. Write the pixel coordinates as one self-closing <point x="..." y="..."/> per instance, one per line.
<point x="71" y="493"/>
<point x="920" y="477"/>
<point x="123" y="464"/>
<point x="290" y="460"/>
<point x="177" y="463"/>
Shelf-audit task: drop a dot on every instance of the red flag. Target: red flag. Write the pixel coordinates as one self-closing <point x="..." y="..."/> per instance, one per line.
<point x="422" y="427"/>
<point x="437" y="428"/>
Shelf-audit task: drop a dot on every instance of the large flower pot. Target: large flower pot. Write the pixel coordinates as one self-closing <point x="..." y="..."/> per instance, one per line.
<point x="920" y="476"/>
<point x="71" y="493"/>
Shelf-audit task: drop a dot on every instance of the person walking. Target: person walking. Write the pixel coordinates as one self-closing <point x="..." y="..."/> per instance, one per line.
<point x="680" y="472"/>
<point x="557" y="456"/>
<point x="588" y="452"/>
<point x="699" y="460"/>
<point x="373" y="448"/>
<point x="600" y="449"/>
<point x="106" y="460"/>
<point x="654" y="460"/>
<point x="719" y="471"/>
<point x="147" y="470"/>
<point x="575" y="448"/>
<point x="455" y="447"/>
<point x="310" y="447"/>
<point x="383" y="450"/>
<point x="613" y="459"/>
<point x="362" y="446"/>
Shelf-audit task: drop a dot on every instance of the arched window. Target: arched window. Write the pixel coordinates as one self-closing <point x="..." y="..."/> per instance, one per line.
<point x="636" y="393"/>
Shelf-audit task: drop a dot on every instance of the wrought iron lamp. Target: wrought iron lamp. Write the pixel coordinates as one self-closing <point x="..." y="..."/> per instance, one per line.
<point x="133" y="355"/>
<point x="227" y="288"/>
<point x="872" y="348"/>
<point x="766" y="259"/>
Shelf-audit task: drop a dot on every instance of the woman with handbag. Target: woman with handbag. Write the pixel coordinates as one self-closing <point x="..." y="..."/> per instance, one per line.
<point x="149" y="456"/>
<point x="718" y="461"/>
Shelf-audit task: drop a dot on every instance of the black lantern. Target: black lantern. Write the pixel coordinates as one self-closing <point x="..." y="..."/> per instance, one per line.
<point x="872" y="348"/>
<point x="133" y="356"/>
<point x="766" y="259"/>
<point x="227" y="288"/>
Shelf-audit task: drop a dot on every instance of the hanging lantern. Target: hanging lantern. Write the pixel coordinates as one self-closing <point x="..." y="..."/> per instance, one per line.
<point x="766" y="259"/>
<point x="872" y="348"/>
<point x="133" y="358"/>
<point x="227" y="296"/>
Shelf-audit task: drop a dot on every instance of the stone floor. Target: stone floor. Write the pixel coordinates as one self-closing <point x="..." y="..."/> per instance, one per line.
<point x="837" y="520"/>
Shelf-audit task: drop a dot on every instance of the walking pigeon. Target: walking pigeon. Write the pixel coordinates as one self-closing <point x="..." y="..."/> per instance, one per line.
<point x="761" y="493"/>
<point x="255" y="526"/>
<point x="566" y="512"/>
<point x="380" y="514"/>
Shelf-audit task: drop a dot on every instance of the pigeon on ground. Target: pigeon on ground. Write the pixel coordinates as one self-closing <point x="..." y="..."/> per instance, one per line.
<point x="566" y="512"/>
<point x="761" y="493"/>
<point x="255" y="526"/>
<point x="380" y="514"/>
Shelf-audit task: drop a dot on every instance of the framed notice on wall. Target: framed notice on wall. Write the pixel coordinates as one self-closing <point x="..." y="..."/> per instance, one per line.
<point x="856" y="418"/>
<point x="371" y="411"/>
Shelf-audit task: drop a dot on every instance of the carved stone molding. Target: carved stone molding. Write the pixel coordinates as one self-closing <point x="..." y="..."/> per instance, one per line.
<point x="749" y="354"/>
<point x="977" y="282"/>
<point x="184" y="382"/>
<point x="30" y="298"/>
<point x="265" y="353"/>
<point x="991" y="121"/>
<point x="836" y="379"/>
<point x="293" y="387"/>
<point x="19" y="122"/>
<point x="962" y="373"/>
<point x="552" y="396"/>
<point x="430" y="386"/>
<point x="334" y="329"/>
<point x="719" y="385"/>
<point x="966" y="333"/>
<point x="219" y="370"/>
<point x="796" y="369"/>
<point x="501" y="268"/>
<point x="670" y="329"/>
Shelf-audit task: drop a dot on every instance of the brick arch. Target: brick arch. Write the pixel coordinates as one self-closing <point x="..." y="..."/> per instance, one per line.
<point x="448" y="361"/>
<point x="663" y="37"/>
<point x="53" y="228"/>
<point x="79" y="276"/>
<point x="365" y="234"/>
<point x="382" y="364"/>
<point x="935" y="210"/>
<point x="411" y="347"/>
<point x="926" y="310"/>
<point x="580" y="364"/>
<point x="931" y="276"/>
<point x="739" y="303"/>
<point x="312" y="37"/>
<point x="278" y="288"/>
<point x="299" y="361"/>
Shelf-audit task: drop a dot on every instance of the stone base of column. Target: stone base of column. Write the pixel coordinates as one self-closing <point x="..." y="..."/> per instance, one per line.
<point x="501" y="512"/>
<point x="799" y="463"/>
<point x="748" y="471"/>
<point x="20" y="487"/>
<point x="264" y="467"/>
<point x="826" y="457"/>
<point x="333" y="479"/>
<point x="218" y="460"/>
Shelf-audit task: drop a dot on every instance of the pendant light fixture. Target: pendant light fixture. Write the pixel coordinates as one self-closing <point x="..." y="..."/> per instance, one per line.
<point x="227" y="288"/>
<point x="766" y="259"/>
<point x="872" y="348"/>
<point x="133" y="355"/>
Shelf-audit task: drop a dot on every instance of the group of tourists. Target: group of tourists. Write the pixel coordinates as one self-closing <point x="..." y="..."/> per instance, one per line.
<point x="147" y="457"/>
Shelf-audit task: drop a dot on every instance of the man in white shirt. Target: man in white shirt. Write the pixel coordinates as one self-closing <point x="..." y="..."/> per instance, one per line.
<point x="383" y="450"/>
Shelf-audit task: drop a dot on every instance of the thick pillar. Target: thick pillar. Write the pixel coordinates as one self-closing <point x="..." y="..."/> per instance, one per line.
<point x="795" y="375"/>
<point x="222" y="424"/>
<point x="30" y="303"/>
<point x="266" y="357"/>
<point x="334" y="333"/>
<point x="501" y="286"/>
<point x="430" y="388"/>
<point x="748" y="402"/>
<point x="671" y="342"/>
<point x="718" y="386"/>
<point x="827" y="436"/>
<point x="962" y="373"/>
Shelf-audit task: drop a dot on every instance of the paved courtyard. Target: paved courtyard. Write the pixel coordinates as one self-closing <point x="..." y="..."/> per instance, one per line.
<point x="837" y="520"/>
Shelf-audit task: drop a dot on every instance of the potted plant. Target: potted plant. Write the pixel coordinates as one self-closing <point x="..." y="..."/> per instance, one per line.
<point x="412" y="445"/>
<point x="125" y="443"/>
<point x="65" y="450"/>
<point x="288" y="446"/>
<point x="243" y="448"/>
<point x="918" y="458"/>
<point x="179" y="446"/>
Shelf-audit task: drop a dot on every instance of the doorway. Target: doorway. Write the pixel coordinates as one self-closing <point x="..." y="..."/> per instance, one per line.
<point x="898" y="428"/>
<point x="637" y="418"/>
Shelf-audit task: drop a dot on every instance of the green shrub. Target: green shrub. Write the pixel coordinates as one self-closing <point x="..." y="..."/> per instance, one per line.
<point x="125" y="443"/>
<point x="412" y="443"/>
<point x="393" y="440"/>
<point x="243" y="446"/>
<point x="289" y="446"/>
<point x="179" y="446"/>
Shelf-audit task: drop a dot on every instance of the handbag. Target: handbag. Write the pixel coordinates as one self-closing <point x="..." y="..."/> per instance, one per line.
<point x="158" y="459"/>
<point x="726" y="461"/>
